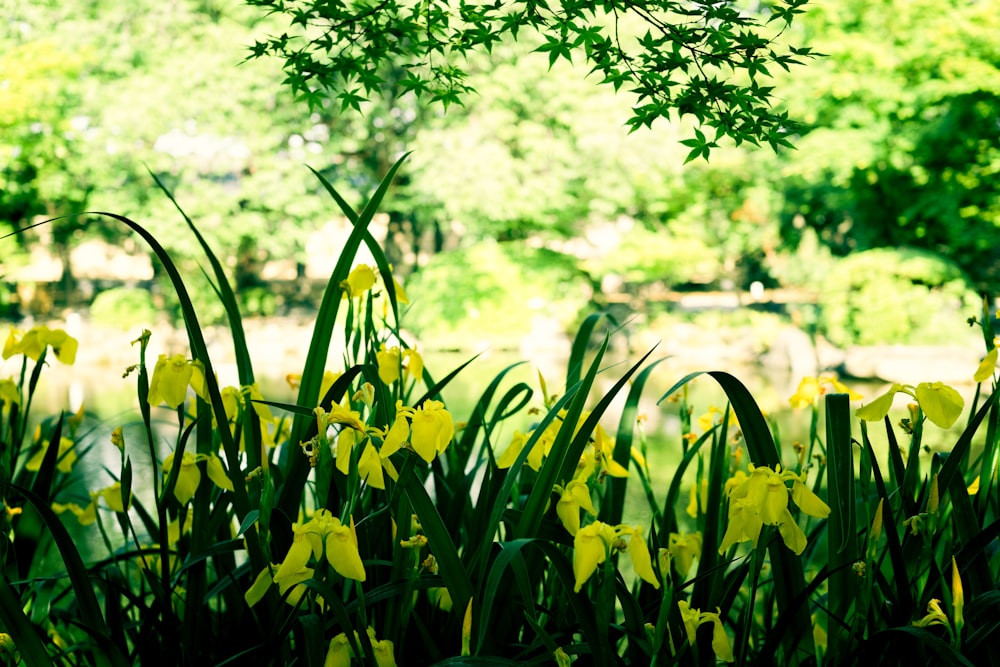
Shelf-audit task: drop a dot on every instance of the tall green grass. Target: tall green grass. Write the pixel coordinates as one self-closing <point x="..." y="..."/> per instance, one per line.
<point x="366" y="522"/>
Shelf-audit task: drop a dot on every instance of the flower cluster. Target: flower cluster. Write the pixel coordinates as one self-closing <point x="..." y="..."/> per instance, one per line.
<point x="362" y="278"/>
<point x="324" y="534"/>
<point x="394" y="364"/>
<point x="189" y="474"/>
<point x="761" y="498"/>
<point x="171" y="378"/>
<point x="595" y="542"/>
<point x="340" y="653"/>
<point x="812" y="388"/>
<point x="599" y="456"/>
<point x="37" y="340"/>
<point x="426" y="429"/>
<point x="694" y="618"/>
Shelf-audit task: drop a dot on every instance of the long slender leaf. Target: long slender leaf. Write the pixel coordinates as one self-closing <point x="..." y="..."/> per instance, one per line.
<point x="842" y="541"/>
<point x="290" y="493"/>
<point x="613" y="504"/>
<point x="90" y="611"/>
<point x="17" y="625"/>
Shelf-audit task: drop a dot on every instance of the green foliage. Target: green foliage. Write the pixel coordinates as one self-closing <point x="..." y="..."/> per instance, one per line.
<point x="378" y="526"/>
<point x="646" y="256"/>
<point x="705" y="60"/>
<point x="495" y="292"/>
<point x="123" y="308"/>
<point x="887" y="296"/>
<point x="899" y="130"/>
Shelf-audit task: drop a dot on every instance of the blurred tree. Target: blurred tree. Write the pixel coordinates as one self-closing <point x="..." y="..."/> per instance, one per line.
<point x="901" y="130"/>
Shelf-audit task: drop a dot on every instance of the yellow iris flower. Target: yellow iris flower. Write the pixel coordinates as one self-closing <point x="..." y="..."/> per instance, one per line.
<point x="113" y="497"/>
<point x="85" y="515"/>
<point x="359" y="280"/>
<point x="572" y="499"/>
<point x="431" y="429"/>
<point x="65" y="458"/>
<point x="9" y="394"/>
<point x="171" y="378"/>
<point x="811" y="388"/>
<point x="389" y="363"/>
<point x="340" y="654"/>
<point x="33" y="343"/>
<point x="189" y="474"/>
<point x="593" y="543"/>
<point x="693" y="619"/>
<point x="323" y="534"/>
<point x="684" y="549"/>
<point x="762" y="499"/>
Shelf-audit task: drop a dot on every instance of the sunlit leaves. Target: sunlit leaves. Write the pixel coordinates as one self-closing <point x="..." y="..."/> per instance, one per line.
<point x="704" y="60"/>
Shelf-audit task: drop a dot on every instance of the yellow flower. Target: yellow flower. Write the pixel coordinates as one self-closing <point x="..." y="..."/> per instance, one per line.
<point x="395" y="437"/>
<point x="7" y="645"/>
<point x="359" y="280"/>
<point x="188" y="476"/>
<point x="370" y="466"/>
<point x="113" y="497"/>
<point x="811" y="388"/>
<point x="513" y="450"/>
<point x="604" y="450"/>
<point x="573" y="498"/>
<point x="339" y="653"/>
<point x="957" y="596"/>
<point x="340" y="415"/>
<point x="684" y="548"/>
<point x="591" y="545"/>
<point x="346" y="440"/>
<point x="323" y="532"/>
<point x="216" y="471"/>
<point x="232" y="403"/>
<point x="85" y="515"/>
<point x="639" y="554"/>
<point x="171" y="378"/>
<point x="762" y="499"/>
<point x="9" y="394"/>
<point x="986" y="367"/>
<point x="388" y="361"/>
<point x="693" y="619"/>
<point x="467" y="630"/>
<point x="707" y="420"/>
<point x="34" y="343"/>
<point x="413" y="364"/>
<point x="251" y="394"/>
<point x="118" y="439"/>
<point x="401" y="296"/>
<point x="941" y="403"/>
<point x="65" y="458"/>
<point x="431" y="429"/>
<point x="934" y="615"/>
<point x="699" y="492"/>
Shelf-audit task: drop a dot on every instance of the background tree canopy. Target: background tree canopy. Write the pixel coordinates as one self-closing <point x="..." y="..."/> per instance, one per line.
<point x="896" y="145"/>
<point x="699" y="59"/>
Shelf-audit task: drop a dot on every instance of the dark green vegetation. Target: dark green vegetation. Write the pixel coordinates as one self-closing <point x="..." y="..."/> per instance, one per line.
<point x="366" y="520"/>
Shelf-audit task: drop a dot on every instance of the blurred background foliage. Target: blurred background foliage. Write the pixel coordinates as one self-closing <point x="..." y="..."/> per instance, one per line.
<point x="531" y="194"/>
